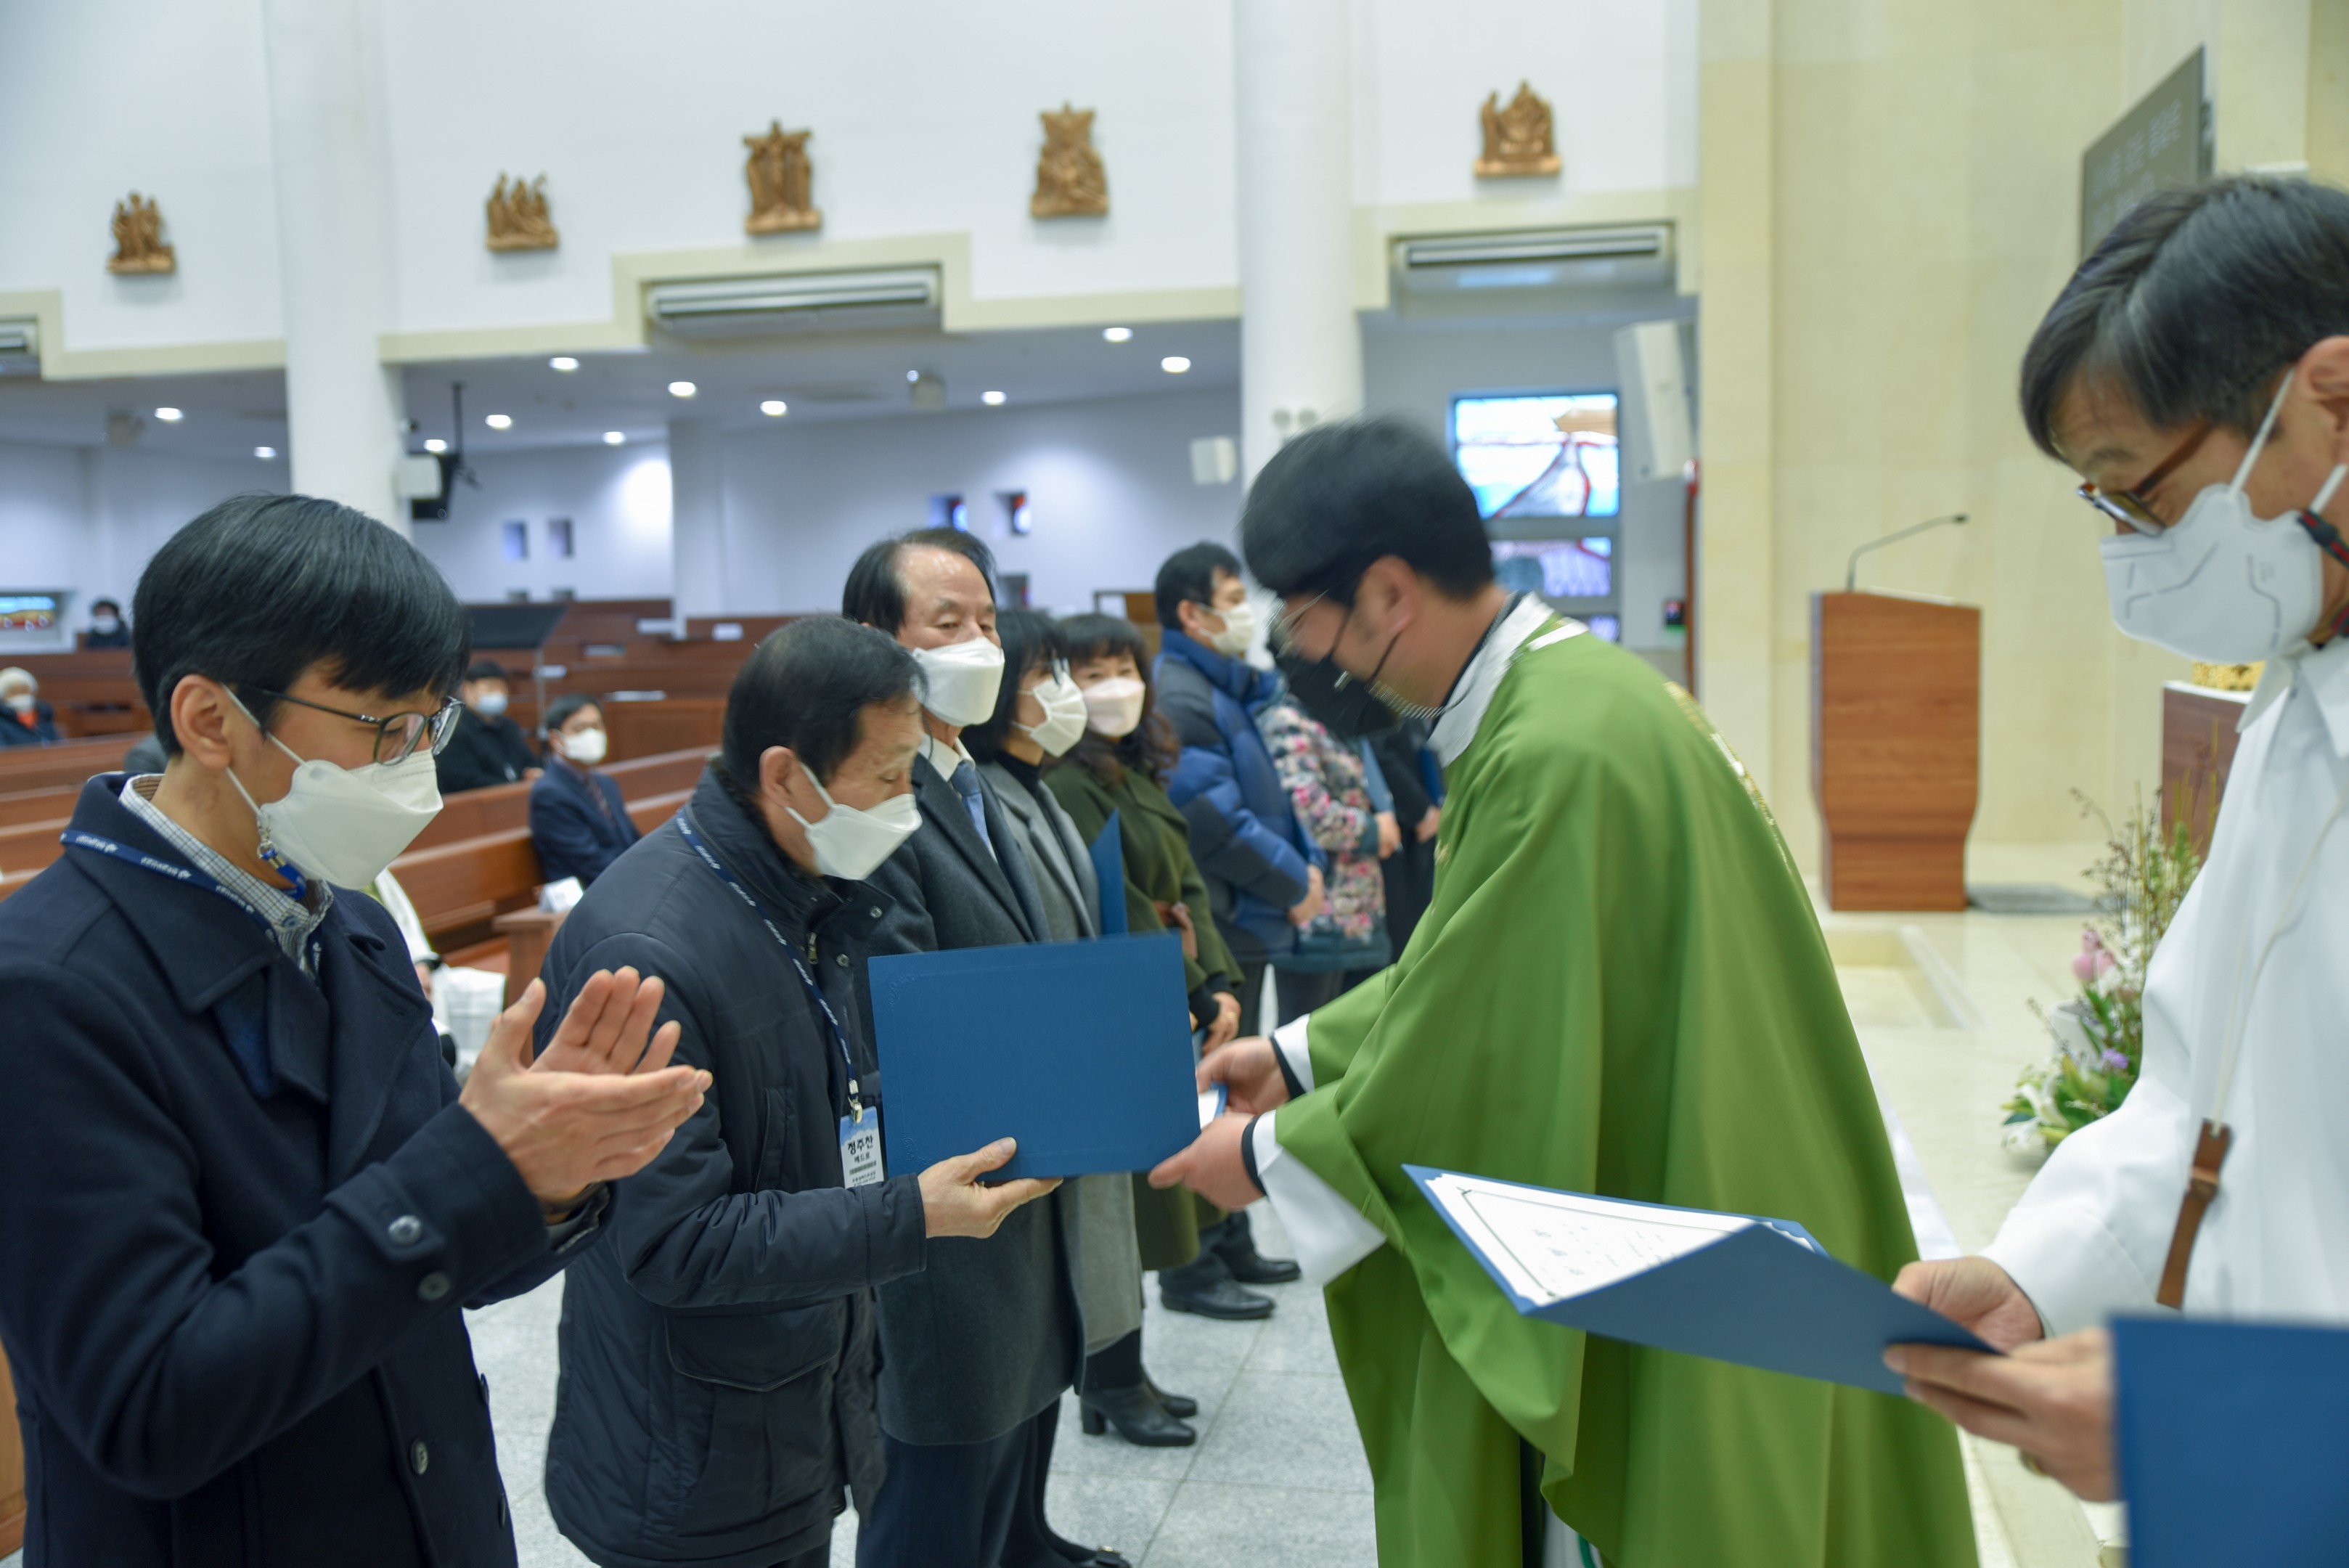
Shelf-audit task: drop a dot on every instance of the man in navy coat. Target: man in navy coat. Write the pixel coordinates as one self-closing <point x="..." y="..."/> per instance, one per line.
<point x="242" y="1199"/>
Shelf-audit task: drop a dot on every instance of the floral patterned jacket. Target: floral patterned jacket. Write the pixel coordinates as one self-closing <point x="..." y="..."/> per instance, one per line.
<point x="1325" y="783"/>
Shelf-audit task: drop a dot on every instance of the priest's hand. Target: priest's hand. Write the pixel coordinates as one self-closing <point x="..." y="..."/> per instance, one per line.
<point x="1212" y="1166"/>
<point x="1977" y="1294"/>
<point x="2051" y="1400"/>
<point x="1250" y="1071"/>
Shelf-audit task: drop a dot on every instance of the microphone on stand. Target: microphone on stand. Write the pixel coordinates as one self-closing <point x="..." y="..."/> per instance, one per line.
<point x="1851" y="571"/>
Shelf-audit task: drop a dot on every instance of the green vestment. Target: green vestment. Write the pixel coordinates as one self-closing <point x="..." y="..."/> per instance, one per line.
<point x="1619" y="988"/>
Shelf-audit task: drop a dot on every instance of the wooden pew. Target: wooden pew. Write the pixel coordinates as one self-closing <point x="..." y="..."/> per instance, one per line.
<point x="53" y="803"/>
<point x="478" y="812"/>
<point x="92" y="690"/>
<point x="11" y="1467"/>
<point x="69" y="762"/>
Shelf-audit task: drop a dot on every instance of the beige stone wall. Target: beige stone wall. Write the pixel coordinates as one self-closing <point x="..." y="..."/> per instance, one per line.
<point x="1889" y="200"/>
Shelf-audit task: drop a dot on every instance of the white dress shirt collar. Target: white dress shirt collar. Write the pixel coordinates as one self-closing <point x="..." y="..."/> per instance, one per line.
<point x="1464" y="715"/>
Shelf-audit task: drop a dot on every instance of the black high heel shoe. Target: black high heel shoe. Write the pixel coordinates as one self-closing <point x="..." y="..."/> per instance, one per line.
<point x="1181" y="1406"/>
<point x="1136" y="1414"/>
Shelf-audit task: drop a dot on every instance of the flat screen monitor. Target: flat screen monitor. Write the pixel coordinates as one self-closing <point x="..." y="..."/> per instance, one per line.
<point x="1556" y="568"/>
<point x="1540" y="455"/>
<point x="27" y="612"/>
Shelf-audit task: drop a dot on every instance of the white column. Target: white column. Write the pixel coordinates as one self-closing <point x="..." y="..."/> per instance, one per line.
<point x="345" y="410"/>
<point x="1301" y="342"/>
<point x="697" y="488"/>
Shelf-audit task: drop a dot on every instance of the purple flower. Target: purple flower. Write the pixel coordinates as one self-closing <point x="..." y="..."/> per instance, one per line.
<point x="2114" y="1061"/>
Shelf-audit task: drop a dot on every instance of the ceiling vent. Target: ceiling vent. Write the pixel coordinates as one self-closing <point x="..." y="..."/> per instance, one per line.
<point x="796" y="302"/>
<point x="1613" y="257"/>
<point x="20" y="347"/>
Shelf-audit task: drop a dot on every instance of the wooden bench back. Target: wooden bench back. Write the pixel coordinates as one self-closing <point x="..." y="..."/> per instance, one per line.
<point x="477" y="812"/>
<point x="50" y="805"/>
<point x="67" y="762"/>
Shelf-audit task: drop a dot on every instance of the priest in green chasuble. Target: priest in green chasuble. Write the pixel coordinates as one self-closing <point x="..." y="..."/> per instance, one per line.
<point x="1620" y="988"/>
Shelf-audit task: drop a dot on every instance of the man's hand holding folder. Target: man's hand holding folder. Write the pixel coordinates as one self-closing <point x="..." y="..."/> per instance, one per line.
<point x="957" y="1201"/>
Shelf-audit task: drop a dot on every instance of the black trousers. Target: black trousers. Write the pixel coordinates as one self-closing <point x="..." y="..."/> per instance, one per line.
<point x="963" y="1505"/>
<point x="1300" y="992"/>
<point x="1251" y="996"/>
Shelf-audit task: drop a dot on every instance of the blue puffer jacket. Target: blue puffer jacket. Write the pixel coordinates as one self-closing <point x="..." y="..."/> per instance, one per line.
<point x="1249" y="843"/>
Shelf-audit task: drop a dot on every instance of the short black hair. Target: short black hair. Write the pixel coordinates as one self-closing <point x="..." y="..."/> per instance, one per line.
<point x="1029" y="639"/>
<point x="1341" y="496"/>
<point x="1151" y="745"/>
<point x="806" y="685"/>
<point x="2193" y="301"/>
<point x="97" y="605"/>
<point x="559" y="712"/>
<point x="875" y="594"/>
<point x="262" y="587"/>
<point x="1189" y="573"/>
<point x="485" y="669"/>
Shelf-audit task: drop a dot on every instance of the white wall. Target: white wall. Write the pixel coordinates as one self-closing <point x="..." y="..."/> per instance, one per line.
<point x="617" y="499"/>
<point x="86" y="519"/>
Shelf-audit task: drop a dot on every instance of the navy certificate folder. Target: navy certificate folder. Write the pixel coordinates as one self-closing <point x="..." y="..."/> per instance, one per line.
<point x="2233" y="1439"/>
<point x="1759" y="1293"/>
<point x="1080" y="1050"/>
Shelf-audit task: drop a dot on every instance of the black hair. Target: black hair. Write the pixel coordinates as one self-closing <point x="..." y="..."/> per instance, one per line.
<point x="1031" y="638"/>
<point x="806" y="685"/>
<point x="485" y="669"/>
<point x="1341" y="496"/>
<point x="2193" y="301"/>
<point x="874" y="593"/>
<point x="1150" y="746"/>
<point x="262" y="587"/>
<point x="97" y="605"/>
<point x="1189" y="575"/>
<point x="559" y="712"/>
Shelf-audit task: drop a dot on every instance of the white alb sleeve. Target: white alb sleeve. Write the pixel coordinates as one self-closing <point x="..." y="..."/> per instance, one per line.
<point x="1290" y="1041"/>
<point x="1329" y="1234"/>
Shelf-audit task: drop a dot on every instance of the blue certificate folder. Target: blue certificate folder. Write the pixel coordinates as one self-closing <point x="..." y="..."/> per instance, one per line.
<point x="1080" y="1050"/>
<point x="1766" y="1295"/>
<point x="2233" y="1439"/>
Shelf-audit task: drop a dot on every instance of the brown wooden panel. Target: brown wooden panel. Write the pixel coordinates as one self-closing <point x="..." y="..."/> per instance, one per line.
<point x="652" y="810"/>
<point x="2198" y="749"/>
<point x="755" y="627"/>
<point x="67" y="762"/>
<point x="31" y="845"/>
<point x="11" y="1467"/>
<point x="38" y="805"/>
<point x="648" y="729"/>
<point x="501" y="807"/>
<point x="1896" y="748"/>
<point x="528" y="934"/>
<point x="459" y="887"/>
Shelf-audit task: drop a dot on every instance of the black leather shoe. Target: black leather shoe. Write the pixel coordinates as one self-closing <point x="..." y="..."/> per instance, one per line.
<point x="1137" y="1415"/>
<point x="1181" y="1406"/>
<point x="1204" y="1285"/>
<point x="1232" y="1243"/>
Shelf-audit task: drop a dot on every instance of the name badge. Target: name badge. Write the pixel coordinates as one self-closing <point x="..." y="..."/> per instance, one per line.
<point x="860" y="1148"/>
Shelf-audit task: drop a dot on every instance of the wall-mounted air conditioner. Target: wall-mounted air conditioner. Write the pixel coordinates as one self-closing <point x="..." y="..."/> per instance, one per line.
<point x="20" y="347"/>
<point x="796" y="302"/>
<point x="1627" y="254"/>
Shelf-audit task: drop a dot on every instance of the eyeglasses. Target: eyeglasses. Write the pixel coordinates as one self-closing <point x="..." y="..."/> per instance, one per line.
<point x="1282" y="634"/>
<point x="2129" y="505"/>
<point x="397" y="737"/>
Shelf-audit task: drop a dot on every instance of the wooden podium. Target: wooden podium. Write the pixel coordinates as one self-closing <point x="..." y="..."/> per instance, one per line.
<point x="1896" y="747"/>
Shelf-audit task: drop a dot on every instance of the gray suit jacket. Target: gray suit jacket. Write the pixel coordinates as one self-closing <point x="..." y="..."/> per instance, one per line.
<point x="1065" y="883"/>
<point x="991" y="1332"/>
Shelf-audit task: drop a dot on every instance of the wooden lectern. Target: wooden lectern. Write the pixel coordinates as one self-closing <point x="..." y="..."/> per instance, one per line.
<point x="1896" y="747"/>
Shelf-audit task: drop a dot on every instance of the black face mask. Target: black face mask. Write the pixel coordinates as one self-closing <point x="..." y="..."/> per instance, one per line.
<point x="1345" y="704"/>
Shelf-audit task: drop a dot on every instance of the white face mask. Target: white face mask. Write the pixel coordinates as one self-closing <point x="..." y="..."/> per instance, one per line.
<point x="2221" y="585"/>
<point x="965" y="679"/>
<point x="105" y="625"/>
<point x="22" y="701"/>
<point x="1114" y="707"/>
<point x="489" y="703"/>
<point x="1239" y="631"/>
<point x="345" y="825"/>
<point x="850" y="843"/>
<point x="1064" y="713"/>
<point x="586" y="748"/>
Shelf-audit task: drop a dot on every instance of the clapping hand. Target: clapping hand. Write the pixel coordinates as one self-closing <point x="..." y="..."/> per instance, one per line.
<point x="605" y="1030"/>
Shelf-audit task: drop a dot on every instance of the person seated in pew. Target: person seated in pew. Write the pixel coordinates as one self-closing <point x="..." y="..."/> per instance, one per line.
<point x="107" y="628"/>
<point x="25" y="719"/>
<point x="242" y="1201"/>
<point x="489" y="748"/>
<point x="577" y="818"/>
<point x="717" y="1401"/>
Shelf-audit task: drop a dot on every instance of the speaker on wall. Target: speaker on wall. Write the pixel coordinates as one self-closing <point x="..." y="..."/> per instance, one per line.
<point x="1654" y="379"/>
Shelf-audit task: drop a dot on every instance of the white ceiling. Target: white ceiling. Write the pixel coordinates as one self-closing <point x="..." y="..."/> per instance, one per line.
<point x="843" y="376"/>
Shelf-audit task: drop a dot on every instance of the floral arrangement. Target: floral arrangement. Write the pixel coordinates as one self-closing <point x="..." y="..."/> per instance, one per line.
<point x="2100" y="1034"/>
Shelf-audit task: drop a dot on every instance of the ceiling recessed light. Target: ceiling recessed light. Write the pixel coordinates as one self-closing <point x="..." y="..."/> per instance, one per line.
<point x="563" y="362"/>
<point x="499" y="422"/>
<point x="436" y="446"/>
<point x="682" y="388"/>
<point x="264" y="453"/>
<point x="774" y="408"/>
<point x="169" y="415"/>
<point x="613" y="438"/>
<point x="1117" y="334"/>
<point x="1174" y="364"/>
<point x="992" y="400"/>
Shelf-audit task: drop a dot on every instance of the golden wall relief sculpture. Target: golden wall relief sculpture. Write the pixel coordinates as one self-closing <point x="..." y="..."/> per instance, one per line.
<point x="780" y="183"/>
<point x="139" y="238"/>
<point x="1518" y="137"/>
<point x="1069" y="180"/>
<point x="518" y="220"/>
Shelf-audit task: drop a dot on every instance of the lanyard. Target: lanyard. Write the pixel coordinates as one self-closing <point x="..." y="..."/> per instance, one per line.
<point x="75" y="838"/>
<point x="815" y="993"/>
